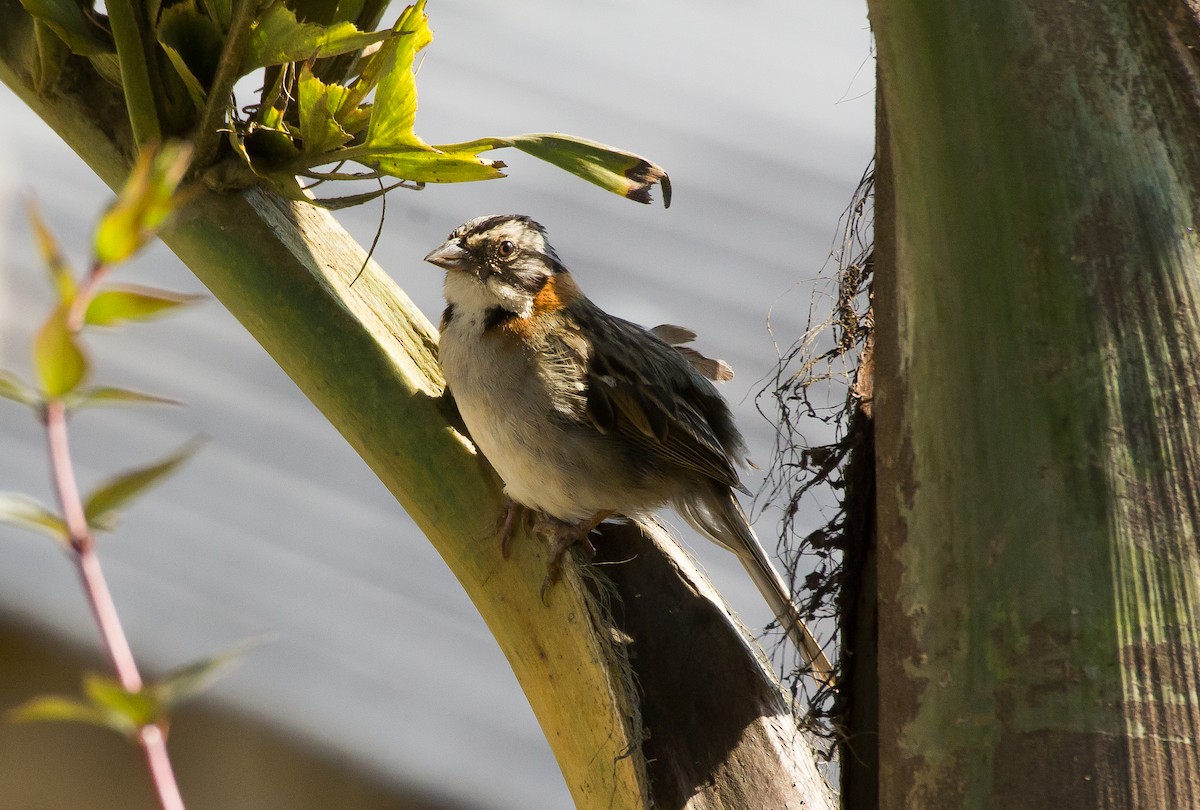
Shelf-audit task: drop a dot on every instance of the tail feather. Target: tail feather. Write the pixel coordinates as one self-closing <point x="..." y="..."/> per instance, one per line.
<point x="718" y="515"/>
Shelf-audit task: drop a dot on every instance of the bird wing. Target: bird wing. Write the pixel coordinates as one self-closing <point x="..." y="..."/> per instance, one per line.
<point x="641" y="388"/>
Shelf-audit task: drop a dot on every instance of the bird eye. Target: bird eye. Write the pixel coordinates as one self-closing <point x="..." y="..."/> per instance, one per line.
<point x="506" y="249"/>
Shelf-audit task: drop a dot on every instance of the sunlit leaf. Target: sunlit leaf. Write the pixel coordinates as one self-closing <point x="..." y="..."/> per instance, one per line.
<point x="56" y="708"/>
<point x="52" y="257"/>
<point x="613" y="169"/>
<point x="119" y="490"/>
<point x="610" y="168"/>
<point x="189" y="680"/>
<point x="123" y="711"/>
<point x="60" y="363"/>
<point x="17" y="509"/>
<point x="395" y="107"/>
<point x="118" y="305"/>
<point x="107" y="395"/>
<point x="192" y="42"/>
<point x="68" y="20"/>
<point x="278" y="37"/>
<point x="14" y="388"/>
<point x="319" y="107"/>
<point x="433" y="166"/>
<point x="148" y="197"/>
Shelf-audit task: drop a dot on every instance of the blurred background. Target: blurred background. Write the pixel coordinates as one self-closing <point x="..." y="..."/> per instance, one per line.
<point x="381" y="686"/>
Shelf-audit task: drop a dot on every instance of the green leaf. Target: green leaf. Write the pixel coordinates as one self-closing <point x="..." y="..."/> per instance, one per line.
<point x="320" y="106"/>
<point x="221" y="11"/>
<point x="17" y="509"/>
<point x="189" y="680"/>
<point x="69" y="21"/>
<point x="278" y="38"/>
<point x="148" y="197"/>
<point x="14" y="388"/>
<point x="124" y="711"/>
<point x="193" y="43"/>
<point x="107" y="395"/>
<point x="432" y="166"/>
<point x="613" y="169"/>
<point x="56" y="708"/>
<point x="52" y="257"/>
<point x="60" y="363"/>
<point x="118" y="305"/>
<point x="395" y="107"/>
<point x="119" y="490"/>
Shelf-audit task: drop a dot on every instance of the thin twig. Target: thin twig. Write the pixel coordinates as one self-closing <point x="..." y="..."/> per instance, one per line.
<point x="150" y="736"/>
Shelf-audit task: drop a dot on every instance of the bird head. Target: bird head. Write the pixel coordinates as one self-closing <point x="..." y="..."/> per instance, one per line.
<point x="497" y="261"/>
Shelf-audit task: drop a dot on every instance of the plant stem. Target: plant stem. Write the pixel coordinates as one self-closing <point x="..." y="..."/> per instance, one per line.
<point x="207" y="136"/>
<point x="150" y="736"/>
<point x="135" y="72"/>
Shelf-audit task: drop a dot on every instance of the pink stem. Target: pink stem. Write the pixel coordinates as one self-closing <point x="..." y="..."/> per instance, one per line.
<point x="150" y="737"/>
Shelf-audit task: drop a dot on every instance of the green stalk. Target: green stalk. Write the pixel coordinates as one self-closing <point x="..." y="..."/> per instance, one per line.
<point x="135" y="72"/>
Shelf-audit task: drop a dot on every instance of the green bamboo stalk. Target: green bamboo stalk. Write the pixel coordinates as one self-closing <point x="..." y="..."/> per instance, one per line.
<point x="1038" y="405"/>
<point x="135" y="71"/>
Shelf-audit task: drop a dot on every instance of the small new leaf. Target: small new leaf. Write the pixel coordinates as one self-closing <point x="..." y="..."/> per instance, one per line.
<point x="22" y="511"/>
<point x="148" y="197"/>
<point x="52" y="257"/>
<point x="320" y="107"/>
<point x="189" y="680"/>
<point x="14" y="388"/>
<point x="108" y="395"/>
<point x="117" y="305"/>
<point x="124" y="711"/>
<point x="114" y="493"/>
<point x="57" y="708"/>
<point x="60" y="363"/>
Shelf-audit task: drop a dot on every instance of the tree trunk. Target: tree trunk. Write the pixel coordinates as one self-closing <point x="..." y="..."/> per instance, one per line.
<point x="647" y="690"/>
<point x="1038" y="404"/>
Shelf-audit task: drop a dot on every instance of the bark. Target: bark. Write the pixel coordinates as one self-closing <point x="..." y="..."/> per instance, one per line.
<point x="1038" y="404"/>
<point x="615" y="681"/>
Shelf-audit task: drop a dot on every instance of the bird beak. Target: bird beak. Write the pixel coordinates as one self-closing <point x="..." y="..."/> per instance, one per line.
<point x="450" y="256"/>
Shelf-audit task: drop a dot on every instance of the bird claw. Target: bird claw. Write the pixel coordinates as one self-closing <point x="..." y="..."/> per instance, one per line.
<point x="512" y="516"/>
<point x="562" y="536"/>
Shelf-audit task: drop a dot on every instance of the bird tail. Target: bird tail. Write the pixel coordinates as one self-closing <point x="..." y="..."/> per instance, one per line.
<point x="718" y="515"/>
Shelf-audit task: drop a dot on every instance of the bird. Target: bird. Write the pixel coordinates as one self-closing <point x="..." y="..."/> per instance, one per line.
<point x="585" y="415"/>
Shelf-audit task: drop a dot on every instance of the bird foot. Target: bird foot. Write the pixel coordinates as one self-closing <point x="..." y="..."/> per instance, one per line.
<point x="513" y="516"/>
<point x="562" y="535"/>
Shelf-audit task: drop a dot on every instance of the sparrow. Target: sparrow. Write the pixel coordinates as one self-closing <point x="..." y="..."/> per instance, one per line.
<point x="584" y="415"/>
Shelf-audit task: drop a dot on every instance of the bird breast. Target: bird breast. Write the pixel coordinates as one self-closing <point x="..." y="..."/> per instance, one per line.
<point x="523" y="402"/>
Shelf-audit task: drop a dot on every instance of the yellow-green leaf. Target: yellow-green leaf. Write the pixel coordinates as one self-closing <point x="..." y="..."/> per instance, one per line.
<point x="278" y="37"/>
<point x="22" y="511"/>
<point x="432" y="166"/>
<point x="610" y="168"/>
<point x="14" y="388"/>
<point x="60" y="363"/>
<point x="148" y="197"/>
<point x="52" y="257"/>
<point x="114" y="493"/>
<point x="320" y="107"/>
<point x="108" y="395"/>
<point x="395" y="107"/>
<point x="189" y="680"/>
<point x="124" y="711"/>
<point x="56" y="708"/>
<point x="117" y="305"/>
